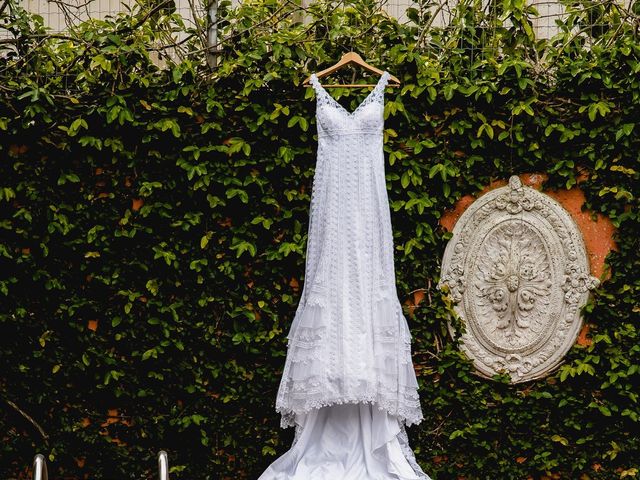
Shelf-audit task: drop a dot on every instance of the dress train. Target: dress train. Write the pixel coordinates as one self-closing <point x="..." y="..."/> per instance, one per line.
<point x="350" y="441"/>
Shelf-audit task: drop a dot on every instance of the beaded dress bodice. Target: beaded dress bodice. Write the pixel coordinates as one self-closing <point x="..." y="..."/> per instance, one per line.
<point x="349" y="341"/>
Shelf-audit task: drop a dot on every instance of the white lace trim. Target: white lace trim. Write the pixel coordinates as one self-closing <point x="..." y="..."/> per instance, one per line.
<point x="406" y="415"/>
<point x="408" y="453"/>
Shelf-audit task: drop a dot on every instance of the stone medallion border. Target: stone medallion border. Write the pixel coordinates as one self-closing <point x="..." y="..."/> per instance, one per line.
<point x="518" y="274"/>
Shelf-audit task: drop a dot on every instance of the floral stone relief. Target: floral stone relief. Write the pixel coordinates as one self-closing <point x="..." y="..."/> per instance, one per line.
<point x="517" y="271"/>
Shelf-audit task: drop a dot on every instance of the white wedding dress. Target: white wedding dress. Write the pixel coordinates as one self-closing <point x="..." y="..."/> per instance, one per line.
<point x="348" y="384"/>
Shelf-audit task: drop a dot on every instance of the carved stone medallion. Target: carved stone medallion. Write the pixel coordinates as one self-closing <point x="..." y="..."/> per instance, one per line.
<point x="518" y="274"/>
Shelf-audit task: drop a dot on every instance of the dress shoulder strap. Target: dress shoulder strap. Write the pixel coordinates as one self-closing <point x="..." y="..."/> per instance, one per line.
<point x="378" y="91"/>
<point x="322" y="96"/>
<point x="377" y="94"/>
<point x="313" y="80"/>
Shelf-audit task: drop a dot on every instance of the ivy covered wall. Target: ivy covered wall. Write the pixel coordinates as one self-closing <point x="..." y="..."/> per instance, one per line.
<point x="153" y="231"/>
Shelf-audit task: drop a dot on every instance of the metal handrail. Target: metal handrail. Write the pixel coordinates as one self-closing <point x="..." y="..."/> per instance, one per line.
<point x="40" y="468"/>
<point x="163" y="465"/>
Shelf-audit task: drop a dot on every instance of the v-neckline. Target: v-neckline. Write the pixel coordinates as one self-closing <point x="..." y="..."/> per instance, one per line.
<point x="340" y="106"/>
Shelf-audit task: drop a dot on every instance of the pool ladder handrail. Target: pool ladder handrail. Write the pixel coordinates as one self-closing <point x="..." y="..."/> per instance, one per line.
<point x="40" y="467"/>
<point x="163" y="465"/>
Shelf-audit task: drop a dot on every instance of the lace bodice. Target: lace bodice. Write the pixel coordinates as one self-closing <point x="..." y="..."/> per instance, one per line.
<point x="334" y="119"/>
<point x="350" y="147"/>
<point x="349" y="340"/>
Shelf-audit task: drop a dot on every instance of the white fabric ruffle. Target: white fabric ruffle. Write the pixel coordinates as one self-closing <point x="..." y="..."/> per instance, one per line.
<point x="347" y="442"/>
<point x="379" y="369"/>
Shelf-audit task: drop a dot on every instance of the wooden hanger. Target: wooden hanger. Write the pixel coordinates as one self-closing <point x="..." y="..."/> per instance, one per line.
<point x="348" y="59"/>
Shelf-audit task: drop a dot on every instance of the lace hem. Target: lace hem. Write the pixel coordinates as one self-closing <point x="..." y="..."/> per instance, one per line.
<point x="408" y="454"/>
<point x="406" y="415"/>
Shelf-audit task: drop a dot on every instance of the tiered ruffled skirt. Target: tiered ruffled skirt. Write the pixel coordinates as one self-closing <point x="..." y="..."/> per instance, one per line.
<point x="372" y="366"/>
<point x="349" y="425"/>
